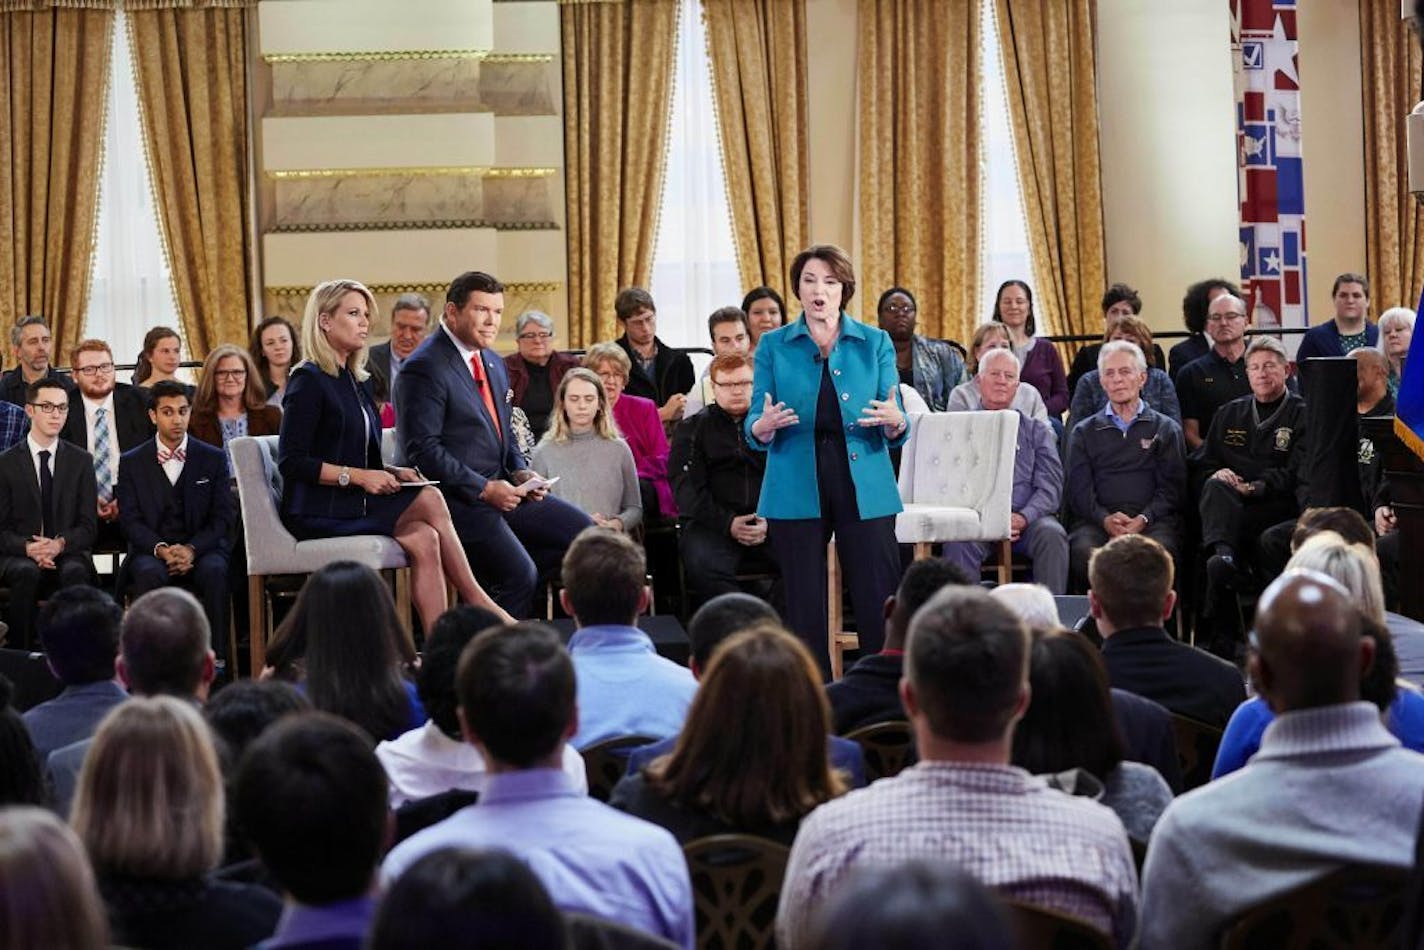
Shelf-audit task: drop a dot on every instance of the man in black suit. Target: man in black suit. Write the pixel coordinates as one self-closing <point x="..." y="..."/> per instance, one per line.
<point x="660" y="373"/>
<point x="177" y="510"/>
<point x="48" y="509"/>
<point x="34" y="349"/>
<point x="410" y="325"/>
<point x="454" y="426"/>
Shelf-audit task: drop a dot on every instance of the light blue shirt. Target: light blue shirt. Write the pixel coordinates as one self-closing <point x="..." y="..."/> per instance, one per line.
<point x="624" y="687"/>
<point x="591" y="858"/>
<point x="1123" y="424"/>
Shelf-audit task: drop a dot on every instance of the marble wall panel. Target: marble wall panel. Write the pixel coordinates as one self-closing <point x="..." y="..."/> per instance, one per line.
<point x="407" y="200"/>
<point x="517" y="85"/>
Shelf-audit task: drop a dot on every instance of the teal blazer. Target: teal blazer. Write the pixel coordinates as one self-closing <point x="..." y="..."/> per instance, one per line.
<point x="863" y="368"/>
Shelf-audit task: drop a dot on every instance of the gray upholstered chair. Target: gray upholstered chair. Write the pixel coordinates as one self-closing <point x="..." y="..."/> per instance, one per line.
<point x="271" y="549"/>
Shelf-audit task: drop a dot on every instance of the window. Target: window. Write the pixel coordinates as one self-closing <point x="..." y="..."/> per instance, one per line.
<point x="1004" y="252"/>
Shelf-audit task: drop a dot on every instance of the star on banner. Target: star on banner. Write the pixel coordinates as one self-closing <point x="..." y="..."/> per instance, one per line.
<point x="1280" y="52"/>
<point x="1272" y="262"/>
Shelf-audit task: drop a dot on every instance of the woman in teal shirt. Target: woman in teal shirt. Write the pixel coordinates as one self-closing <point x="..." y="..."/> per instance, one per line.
<point x="826" y="408"/>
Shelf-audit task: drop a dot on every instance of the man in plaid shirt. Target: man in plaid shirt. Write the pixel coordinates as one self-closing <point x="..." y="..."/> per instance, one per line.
<point x="965" y="688"/>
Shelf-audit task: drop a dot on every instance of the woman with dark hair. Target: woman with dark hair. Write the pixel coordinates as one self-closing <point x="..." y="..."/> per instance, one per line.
<point x="731" y="773"/>
<point x="1194" y="311"/>
<point x="912" y="906"/>
<point x="275" y="350"/>
<point x="343" y="645"/>
<point x="765" y="311"/>
<point x="21" y="778"/>
<point x="47" y="893"/>
<point x="462" y="897"/>
<point x="931" y="367"/>
<point x="1119" y="301"/>
<point x="160" y="358"/>
<point x="1042" y="366"/>
<point x="230" y="402"/>
<point x="1070" y="725"/>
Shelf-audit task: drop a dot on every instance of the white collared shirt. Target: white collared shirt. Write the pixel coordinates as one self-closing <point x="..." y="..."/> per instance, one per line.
<point x="466" y="353"/>
<point x="91" y="409"/>
<point x="36" y="448"/>
<point x="173" y="468"/>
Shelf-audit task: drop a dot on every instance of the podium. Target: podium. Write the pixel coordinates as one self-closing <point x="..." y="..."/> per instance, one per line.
<point x="1405" y="473"/>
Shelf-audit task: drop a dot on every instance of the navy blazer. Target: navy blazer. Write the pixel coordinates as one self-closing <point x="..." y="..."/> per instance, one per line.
<point x="130" y="423"/>
<point x="144" y="490"/>
<point x="76" y="498"/>
<point x="323" y="421"/>
<point x="443" y="424"/>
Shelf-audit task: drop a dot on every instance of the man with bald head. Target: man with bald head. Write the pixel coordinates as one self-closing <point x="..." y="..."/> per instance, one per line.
<point x="1209" y="382"/>
<point x="1329" y="787"/>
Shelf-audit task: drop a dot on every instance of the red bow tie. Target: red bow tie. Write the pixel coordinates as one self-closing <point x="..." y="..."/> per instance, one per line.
<point x="164" y="455"/>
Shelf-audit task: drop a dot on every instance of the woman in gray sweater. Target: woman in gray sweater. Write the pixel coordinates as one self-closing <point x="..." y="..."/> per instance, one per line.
<point x="583" y="450"/>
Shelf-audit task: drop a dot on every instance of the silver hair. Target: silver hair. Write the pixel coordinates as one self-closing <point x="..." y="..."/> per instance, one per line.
<point x="999" y="353"/>
<point x="20" y="325"/>
<point x="1259" y="343"/>
<point x="1120" y="346"/>
<point x="412" y="302"/>
<point x="1033" y="603"/>
<point x="1401" y="315"/>
<point x="533" y="316"/>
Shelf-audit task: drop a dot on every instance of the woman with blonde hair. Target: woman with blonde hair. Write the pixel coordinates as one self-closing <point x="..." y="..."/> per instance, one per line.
<point x="966" y="396"/>
<point x="230" y="401"/>
<point x="329" y="453"/>
<point x="149" y="810"/>
<point x="47" y="893"/>
<point x="637" y="421"/>
<point x="1396" y="332"/>
<point x="583" y="450"/>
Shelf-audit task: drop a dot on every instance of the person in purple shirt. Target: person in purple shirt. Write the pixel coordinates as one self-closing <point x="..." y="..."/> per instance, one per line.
<point x="638" y="423"/>
<point x="1042" y="366"/>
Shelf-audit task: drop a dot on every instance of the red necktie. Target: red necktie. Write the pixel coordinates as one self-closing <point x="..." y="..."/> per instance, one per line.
<point x="482" y="384"/>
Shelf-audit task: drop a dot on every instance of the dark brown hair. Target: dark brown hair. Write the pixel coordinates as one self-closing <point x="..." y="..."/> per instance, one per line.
<point x="1130" y="577"/>
<point x="834" y="258"/>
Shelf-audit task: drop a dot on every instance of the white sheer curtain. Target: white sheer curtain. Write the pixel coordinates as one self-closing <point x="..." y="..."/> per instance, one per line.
<point x="130" y="290"/>
<point x="695" y="261"/>
<point x="1004" y="252"/>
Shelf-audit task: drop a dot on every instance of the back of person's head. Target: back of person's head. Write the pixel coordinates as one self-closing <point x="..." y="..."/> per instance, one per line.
<point x="21" y="777"/>
<point x="1309" y="647"/>
<point x="150" y="798"/>
<point x="311" y="797"/>
<point x="48" y="897"/>
<point x="436" y="681"/>
<point x="242" y="711"/>
<point x="79" y="630"/>
<point x="164" y="644"/>
<point x="921" y="581"/>
<point x="1070" y="722"/>
<point x="1129" y="579"/>
<point x="760" y="770"/>
<point x="721" y="617"/>
<point x="1033" y="603"/>
<point x="460" y="897"/>
<point x="914" y="905"/>
<point x="604" y="573"/>
<point x="1346" y="522"/>
<point x="967" y="665"/>
<point x="516" y="688"/>
<point x="1353" y="565"/>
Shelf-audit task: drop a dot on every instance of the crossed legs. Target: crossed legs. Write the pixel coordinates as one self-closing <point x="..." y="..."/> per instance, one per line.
<point x="426" y="534"/>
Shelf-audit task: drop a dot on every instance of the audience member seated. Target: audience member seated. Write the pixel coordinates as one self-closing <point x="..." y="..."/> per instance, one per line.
<point x="517" y="706"/>
<point x="638" y="423"/>
<point x="1130" y="596"/>
<point x="311" y="797"/>
<point x="765" y="311"/>
<point x="1198" y="298"/>
<point x="536" y="368"/>
<point x="1353" y="567"/>
<point x="582" y="449"/>
<point x="33" y="348"/>
<point x="1330" y="786"/>
<point x="869" y="692"/>
<point x="1120" y="301"/>
<point x="21" y="781"/>
<point x="624" y="687"/>
<point x="48" y="897"/>
<point x="731" y="336"/>
<point x="656" y="371"/>
<point x="434" y="759"/>
<point x="231" y="400"/>
<point x="1209" y="382"/>
<point x="966" y="396"/>
<point x="716" y="477"/>
<point x="1351" y="327"/>
<point x="149" y="810"/>
<point x="1070" y="725"/>
<point x="1042" y="366"/>
<point x="177" y="511"/>
<point x="1038" y="485"/>
<point x="932" y="367"/>
<point x="163" y="651"/>
<point x="454" y="895"/>
<point x="731" y="773"/>
<point x="44" y="547"/>
<point x="1396" y="331"/>
<point x="1158" y="392"/>
<point x="965" y="689"/>
<point x="1126" y="465"/>
<point x="342" y="644"/>
<point x="79" y="632"/>
<point x="912" y="905"/>
<point x="1280" y="542"/>
<point x="274" y="350"/>
<point x="14" y="424"/>
<point x="410" y="324"/>
<point x="159" y="360"/>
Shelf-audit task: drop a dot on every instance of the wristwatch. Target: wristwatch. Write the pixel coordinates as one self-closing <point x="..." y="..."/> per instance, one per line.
<point x="344" y="478"/>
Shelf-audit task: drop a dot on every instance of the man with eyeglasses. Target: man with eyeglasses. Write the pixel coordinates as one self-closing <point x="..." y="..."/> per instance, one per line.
<point x="33" y="348"/>
<point x="48" y="510"/>
<point x="1211" y="381"/>
<point x="410" y="324"/>
<point x="730" y="334"/>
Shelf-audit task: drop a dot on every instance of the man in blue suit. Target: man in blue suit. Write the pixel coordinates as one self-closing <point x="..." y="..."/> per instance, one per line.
<point x="454" y="426"/>
<point x="177" y="511"/>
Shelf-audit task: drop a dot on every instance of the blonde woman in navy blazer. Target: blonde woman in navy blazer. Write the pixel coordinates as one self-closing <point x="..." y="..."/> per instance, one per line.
<point x="825" y="406"/>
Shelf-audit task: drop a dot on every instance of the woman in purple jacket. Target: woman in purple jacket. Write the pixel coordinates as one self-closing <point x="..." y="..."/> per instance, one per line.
<point x="1042" y="366"/>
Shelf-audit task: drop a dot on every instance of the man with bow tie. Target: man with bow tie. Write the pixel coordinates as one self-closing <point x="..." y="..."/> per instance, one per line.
<point x="177" y="510"/>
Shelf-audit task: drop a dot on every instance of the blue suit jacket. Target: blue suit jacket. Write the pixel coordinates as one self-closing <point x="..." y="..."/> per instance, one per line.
<point x="443" y="424"/>
<point x="143" y="490"/>
<point x="1324" y="340"/>
<point x="323" y="421"/>
<point x="788" y="366"/>
<point x="844" y="754"/>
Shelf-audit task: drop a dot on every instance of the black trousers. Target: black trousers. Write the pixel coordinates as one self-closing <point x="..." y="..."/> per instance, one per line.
<point x="26" y="581"/>
<point x="510" y="551"/>
<point x="208" y="580"/>
<point x="1228" y="517"/>
<point x="712" y="560"/>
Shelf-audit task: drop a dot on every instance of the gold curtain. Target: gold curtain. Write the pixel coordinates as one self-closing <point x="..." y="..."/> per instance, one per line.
<point x="758" y="54"/>
<point x="190" y="66"/>
<point x="1050" y="74"/>
<point x="920" y="154"/>
<point x="618" y="75"/>
<point x="56" y="71"/>
<point x="1394" y="222"/>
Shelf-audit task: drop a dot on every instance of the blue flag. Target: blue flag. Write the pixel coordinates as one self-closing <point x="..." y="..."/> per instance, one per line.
<point x="1409" y="405"/>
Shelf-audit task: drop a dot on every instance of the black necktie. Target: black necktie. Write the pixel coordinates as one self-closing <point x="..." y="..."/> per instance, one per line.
<point x="46" y="496"/>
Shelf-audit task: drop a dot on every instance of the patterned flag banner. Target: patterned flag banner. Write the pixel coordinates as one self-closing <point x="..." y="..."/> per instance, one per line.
<point x="1409" y="404"/>
<point x="1270" y="185"/>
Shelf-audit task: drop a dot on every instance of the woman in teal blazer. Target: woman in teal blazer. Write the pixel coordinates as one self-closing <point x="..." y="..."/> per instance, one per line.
<point x="826" y="407"/>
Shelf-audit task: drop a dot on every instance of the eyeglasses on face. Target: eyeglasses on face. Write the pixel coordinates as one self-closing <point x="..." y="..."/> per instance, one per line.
<point x="229" y="373"/>
<point x="732" y="385"/>
<point x="51" y="408"/>
<point x="97" y="368"/>
<point x="536" y="335"/>
<point x="898" y="308"/>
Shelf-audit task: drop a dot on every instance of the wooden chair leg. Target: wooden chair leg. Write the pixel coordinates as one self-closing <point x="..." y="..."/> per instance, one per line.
<point x="403" y="605"/>
<point x="923" y="550"/>
<point x="1006" y="561"/>
<point x="834" y="619"/>
<point x="257" y="623"/>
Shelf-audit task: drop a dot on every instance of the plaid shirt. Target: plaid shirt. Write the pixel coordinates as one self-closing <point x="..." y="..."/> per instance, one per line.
<point x="1007" y="828"/>
<point x="13" y="425"/>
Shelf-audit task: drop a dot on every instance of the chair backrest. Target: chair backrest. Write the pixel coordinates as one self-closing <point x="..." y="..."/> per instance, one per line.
<point x="259" y="491"/>
<point x="963" y="460"/>
<point x="1196" y="743"/>
<point x="391" y="452"/>
<point x="1038" y="928"/>
<point x="606" y="762"/>
<point x="888" y="746"/>
<point x="1356" y="906"/>
<point x="736" y="886"/>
